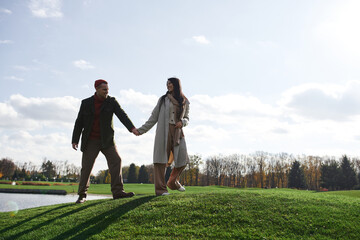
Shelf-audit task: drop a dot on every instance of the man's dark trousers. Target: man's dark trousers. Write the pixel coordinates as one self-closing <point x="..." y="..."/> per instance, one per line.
<point x="114" y="163"/>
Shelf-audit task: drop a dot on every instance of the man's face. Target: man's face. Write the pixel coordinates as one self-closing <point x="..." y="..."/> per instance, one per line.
<point x="102" y="90"/>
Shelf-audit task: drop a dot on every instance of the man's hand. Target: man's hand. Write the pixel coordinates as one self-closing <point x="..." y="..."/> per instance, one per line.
<point x="75" y="146"/>
<point x="178" y="124"/>
<point x="135" y="131"/>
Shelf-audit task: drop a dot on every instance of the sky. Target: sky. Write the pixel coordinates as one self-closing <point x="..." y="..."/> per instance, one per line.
<point x="274" y="76"/>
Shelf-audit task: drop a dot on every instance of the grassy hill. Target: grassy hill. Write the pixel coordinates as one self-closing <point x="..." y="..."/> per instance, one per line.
<point x="200" y="213"/>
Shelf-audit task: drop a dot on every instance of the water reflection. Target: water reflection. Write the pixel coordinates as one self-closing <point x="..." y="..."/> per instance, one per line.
<point x="12" y="202"/>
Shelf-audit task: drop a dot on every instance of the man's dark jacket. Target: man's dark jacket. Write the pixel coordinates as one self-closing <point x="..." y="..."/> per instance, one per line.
<point x="85" y="118"/>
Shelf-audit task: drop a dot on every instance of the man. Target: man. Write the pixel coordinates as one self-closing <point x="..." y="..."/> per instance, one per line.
<point x="94" y="123"/>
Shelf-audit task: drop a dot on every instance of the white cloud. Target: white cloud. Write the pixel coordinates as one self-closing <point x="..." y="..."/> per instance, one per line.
<point x="5" y="41"/>
<point x="337" y="31"/>
<point x="22" y="68"/>
<point x="59" y="109"/>
<point x="4" y="10"/>
<point x="13" y="78"/>
<point x="143" y="102"/>
<point x="46" y="8"/>
<point x="20" y="112"/>
<point x="26" y="146"/>
<point x="267" y="44"/>
<point x="11" y="119"/>
<point x="201" y="39"/>
<point x="205" y="133"/>
<point x="82" y="64"/>
<point x="7" y="114"/>
<point x="323" y="101"/>
<point x="280" y="130"/>
<point x="229" y="109"/>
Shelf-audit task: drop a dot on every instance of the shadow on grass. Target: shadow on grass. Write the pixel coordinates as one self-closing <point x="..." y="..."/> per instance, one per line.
<point x="99" y="223"/>
<point x="31" y="218"/>
<point x="47" y="222"/>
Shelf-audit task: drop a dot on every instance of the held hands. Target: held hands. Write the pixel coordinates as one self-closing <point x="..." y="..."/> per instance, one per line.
<point x="135" y="132"/>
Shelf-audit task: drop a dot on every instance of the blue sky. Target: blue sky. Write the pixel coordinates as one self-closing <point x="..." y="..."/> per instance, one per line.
<point x="275" y="76"/>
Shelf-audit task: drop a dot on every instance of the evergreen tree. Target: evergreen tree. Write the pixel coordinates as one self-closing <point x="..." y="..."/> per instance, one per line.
<point x="16" y="175"/>
<point x="347" y="178"/>
<point x="132" y="178"/>
<point x="296" y="176"/>
<point x="24" y="174"/>
<point x="48" y="169"/>
<point x="330" y="173"/>
<point x="107" y="177"/>
<point x="143" y="175"/>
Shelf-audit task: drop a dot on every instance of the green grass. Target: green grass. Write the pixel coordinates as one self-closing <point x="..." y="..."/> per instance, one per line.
<point x="94" y="188"/>
<point x="355" y="193"/>
<point x="105" y="189"/>
<point x="200" y="213"/>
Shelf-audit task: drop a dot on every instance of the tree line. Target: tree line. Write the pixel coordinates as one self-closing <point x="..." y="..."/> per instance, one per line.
<point x="131" y="174"/>
<point x="257" y="170"/>
<point x="261" y="170"/>
<point x="265" y="170"/>
<point x="47" y="171"/>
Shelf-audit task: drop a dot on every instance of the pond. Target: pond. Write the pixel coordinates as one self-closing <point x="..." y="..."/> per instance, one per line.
<point x="17" y="201"/>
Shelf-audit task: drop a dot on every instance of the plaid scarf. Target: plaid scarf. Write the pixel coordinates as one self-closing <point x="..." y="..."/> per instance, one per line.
<point x="178" y="115"/>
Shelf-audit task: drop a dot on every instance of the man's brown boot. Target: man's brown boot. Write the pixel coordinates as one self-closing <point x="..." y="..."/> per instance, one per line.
<point x="123" y="195"/>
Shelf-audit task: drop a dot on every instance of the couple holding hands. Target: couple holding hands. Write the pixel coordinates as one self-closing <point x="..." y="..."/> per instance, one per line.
<point x="94" y="125"/>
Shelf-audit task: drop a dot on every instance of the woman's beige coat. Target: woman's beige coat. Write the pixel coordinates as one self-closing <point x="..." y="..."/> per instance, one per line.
<point x="161" y="116"/>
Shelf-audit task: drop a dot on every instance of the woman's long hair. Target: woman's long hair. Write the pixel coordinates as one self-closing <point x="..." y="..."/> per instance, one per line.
<point x="177" y="92"/>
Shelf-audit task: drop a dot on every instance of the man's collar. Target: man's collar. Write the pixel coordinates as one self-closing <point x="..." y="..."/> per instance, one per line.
<point x="97" y="98"/>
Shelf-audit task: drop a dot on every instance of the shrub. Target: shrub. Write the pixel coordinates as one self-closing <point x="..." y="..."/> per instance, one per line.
<point x="8" y="183"/>
<point x="59" y="184"/>
<point x="36" y="184"/>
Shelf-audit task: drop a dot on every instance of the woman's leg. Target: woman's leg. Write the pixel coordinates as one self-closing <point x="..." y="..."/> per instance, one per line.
<point x="173" y="182"/>
<point x="159" y="178"/>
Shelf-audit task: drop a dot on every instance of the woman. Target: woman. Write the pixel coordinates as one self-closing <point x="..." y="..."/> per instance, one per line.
<point x="171" y="114"/>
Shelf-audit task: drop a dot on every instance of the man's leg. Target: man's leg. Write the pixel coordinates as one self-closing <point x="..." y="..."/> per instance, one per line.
<point x="159" y="178"/>
<point x="88" y="159"/>
<point x="114" y="164"/>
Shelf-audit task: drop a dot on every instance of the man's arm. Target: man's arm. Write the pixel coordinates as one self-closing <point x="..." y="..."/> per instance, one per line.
<point x="123" y="117"/>
<point x="77" y="128"/>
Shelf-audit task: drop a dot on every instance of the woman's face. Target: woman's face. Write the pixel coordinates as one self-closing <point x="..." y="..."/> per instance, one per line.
<point x="170" y="86"/>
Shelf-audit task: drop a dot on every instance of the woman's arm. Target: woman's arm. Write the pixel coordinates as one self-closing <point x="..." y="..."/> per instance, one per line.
<point x="152" y="119"/>
<point x="185" y="118"/>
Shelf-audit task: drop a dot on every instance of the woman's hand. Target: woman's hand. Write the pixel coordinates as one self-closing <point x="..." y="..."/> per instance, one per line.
<point x="135" y="132"/>
<point x="178" y="124"/>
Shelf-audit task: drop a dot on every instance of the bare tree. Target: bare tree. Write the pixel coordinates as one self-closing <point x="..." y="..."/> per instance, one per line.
<point x="215" y="168"/>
